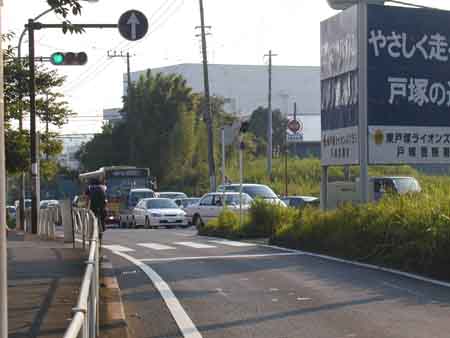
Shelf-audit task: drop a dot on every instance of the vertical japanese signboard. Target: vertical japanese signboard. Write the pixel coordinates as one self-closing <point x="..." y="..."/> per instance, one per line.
<point x="339" y="88"/>
<point x="408" y="85"/>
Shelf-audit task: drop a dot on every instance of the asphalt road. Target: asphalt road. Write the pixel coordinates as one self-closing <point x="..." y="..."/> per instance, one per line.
<point x="177" y="284"/>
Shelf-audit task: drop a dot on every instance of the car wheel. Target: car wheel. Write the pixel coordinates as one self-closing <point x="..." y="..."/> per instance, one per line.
<point x="147" y="223"/>
<point x="198" y="221"/>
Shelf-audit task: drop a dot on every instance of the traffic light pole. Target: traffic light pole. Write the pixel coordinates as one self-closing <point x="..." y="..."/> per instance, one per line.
<point x="34" y="151"/>
<point x="33" y="143"/>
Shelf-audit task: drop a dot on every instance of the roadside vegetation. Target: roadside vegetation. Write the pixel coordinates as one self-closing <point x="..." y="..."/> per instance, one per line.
<point x="409" y="232"/>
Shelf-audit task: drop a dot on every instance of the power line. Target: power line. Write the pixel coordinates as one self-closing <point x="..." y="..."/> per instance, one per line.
<point x="158" y="25"/>
<point x="103" y="63"/>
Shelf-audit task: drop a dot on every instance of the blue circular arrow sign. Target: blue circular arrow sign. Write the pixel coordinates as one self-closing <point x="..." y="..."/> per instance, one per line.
<point x="133" y="25"/>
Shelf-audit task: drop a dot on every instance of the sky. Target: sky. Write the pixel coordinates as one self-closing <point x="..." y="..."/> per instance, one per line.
<point x="242" y="32"/>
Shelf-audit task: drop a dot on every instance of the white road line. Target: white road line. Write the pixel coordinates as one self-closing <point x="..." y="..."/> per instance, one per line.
<point x="195" y="245"/>
<point x="397" y="287"/>
<point x="363" y="265"/>
<point x="232" y="243"/>
<point x="199" y="258"/>
<point x="354" y="263"/>
<point x="184" y="322"/>
<point x="118" y="248"/>
<point x="156" y="246"/>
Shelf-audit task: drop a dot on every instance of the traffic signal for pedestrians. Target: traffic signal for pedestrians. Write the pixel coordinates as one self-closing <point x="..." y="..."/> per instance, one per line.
<point x="68" y="59"/>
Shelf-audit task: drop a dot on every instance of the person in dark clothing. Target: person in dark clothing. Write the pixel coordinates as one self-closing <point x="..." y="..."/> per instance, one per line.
<point x="96" y="193"/>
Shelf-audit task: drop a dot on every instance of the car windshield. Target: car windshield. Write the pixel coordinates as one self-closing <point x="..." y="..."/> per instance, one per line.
<point x="407" y="184"/>
<point x="254" y="191"/>
<point x="172" y="195"/>
<point x="259" y="191"/>
<point x="139" y="195"/>
<point x="161" y="204"/>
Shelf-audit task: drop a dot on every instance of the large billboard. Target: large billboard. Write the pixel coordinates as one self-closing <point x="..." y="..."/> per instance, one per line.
<point x="408" y="70"/>
<point x="339" y="88"/>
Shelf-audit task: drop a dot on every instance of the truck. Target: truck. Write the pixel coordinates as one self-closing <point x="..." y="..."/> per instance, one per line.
<point x="340" y="193"/>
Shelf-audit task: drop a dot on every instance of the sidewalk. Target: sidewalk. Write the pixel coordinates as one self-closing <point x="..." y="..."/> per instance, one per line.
<point x="44" y="278"/>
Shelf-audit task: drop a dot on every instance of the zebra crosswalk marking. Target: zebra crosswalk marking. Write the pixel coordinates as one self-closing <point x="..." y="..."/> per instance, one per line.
<point x="232" y="243"/>
<point x="118" y="248"/>
<point x="195" y="245"/>
<point x="156" y="246"/>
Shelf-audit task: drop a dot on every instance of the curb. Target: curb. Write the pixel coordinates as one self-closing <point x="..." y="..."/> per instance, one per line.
<point x="112" y="314"/>
<point x="350" y="262"/>
<point x="362" y="265"/>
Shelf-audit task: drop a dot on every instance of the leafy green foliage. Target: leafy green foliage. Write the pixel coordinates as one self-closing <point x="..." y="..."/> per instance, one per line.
<point x="50" y="107"/>
<point x="259" y="124"/>
<point x="408" y="232"/>
<point x="163" y="131"/>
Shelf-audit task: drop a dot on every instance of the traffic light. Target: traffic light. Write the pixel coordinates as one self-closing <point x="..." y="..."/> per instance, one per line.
<point x="244" y="127"/>
<point x="68" y="59"/>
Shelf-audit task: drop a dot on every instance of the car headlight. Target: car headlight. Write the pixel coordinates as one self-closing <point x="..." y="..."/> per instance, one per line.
<point x="155" y="215"/>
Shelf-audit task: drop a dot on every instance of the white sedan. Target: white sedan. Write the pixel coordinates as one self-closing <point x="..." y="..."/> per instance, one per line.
<point x="156" y="212"/>
<point x="211" y="205"/>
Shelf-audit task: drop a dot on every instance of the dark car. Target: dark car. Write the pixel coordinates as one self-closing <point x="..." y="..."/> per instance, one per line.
<point x="301" y="201"/>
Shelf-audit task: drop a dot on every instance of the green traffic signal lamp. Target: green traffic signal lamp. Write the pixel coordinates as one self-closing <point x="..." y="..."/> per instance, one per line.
<point x="57" y="59"/>
<point x="68" y="59"/>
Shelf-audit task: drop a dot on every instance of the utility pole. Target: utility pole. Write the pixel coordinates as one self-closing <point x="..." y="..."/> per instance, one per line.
<point x="33" y="146"/>
<point x="269" y="119"/>
<point x="207" y="108"/>
<point x="47" y="116"/>
<point x="127" y="55"/>
<point x="3" y="252"/>
<point x="222" y="136"/>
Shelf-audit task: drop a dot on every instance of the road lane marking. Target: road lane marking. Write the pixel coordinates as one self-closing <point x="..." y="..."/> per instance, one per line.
<point x="199" y="258"/>
<point x="362" y="265"/>
<point x="398" y="287"/>
<point x="184" y="322"/>
<point x="195" y="245"/>
<point x="232" y="243"/>
<point x="156" y="246"/>
<point x="118" y="248"/>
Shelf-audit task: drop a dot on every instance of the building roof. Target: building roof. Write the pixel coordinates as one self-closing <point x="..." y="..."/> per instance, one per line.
<point x="245" y="87"/>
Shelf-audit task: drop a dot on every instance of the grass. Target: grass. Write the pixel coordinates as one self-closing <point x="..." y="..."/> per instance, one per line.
<point x="408" y="232"/>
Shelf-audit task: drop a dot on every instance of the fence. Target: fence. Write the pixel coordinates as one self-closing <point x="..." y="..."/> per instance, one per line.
<point x="47" y="220"/>
<point x="85" y="321"/>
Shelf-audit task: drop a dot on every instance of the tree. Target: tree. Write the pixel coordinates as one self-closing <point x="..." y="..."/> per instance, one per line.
<point x="258" y="126"/>
<point x="164" y="131"/>
<point x="50" y="107"/>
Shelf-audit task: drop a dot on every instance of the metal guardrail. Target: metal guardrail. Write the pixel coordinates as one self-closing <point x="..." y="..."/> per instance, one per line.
<point x="85" y="321"/>
<point x="47" y="221"/>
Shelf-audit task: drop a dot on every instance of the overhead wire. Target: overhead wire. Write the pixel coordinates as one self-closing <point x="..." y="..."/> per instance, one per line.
<point x="104" y="62"/>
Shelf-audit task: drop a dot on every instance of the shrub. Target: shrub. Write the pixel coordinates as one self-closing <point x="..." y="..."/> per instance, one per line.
<point x="408" y="232"/>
